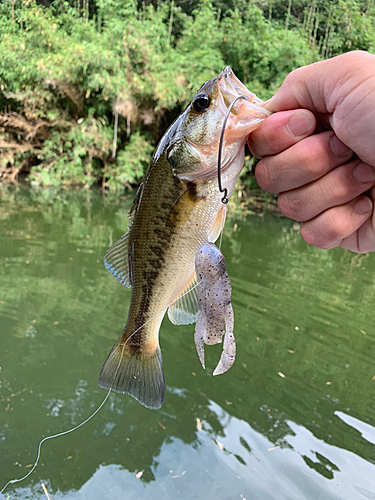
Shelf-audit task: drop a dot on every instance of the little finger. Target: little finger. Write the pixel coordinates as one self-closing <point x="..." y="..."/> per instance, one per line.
<point x="332" y="227"/>
<point x="363" y="240"/>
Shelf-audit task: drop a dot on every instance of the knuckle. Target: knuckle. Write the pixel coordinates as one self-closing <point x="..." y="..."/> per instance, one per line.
<point x="338" y="226"/>
<point x="339" y="186"/>
<point x="317" y="162"/>
<point x="264" y="176"/>
<point x="292" y="76"/>
<point x="355" y="57"/>
<point x="339" y="190"/>
<point x="327" y="231"/>
<point x="313" y="236"/>
<point x="313" y="167"/>
<point x="314" y="157"/>
<point x="291" y="206"/>
<point x="308" y="234"/>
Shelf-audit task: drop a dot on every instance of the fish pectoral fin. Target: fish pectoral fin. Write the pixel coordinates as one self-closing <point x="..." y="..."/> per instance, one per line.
<point x="185" y="308"/>
<point x="139" y="375"/>
<point x="218" y="225"/>
<point x="184" y="205"/>
<point x="116" y="260"/>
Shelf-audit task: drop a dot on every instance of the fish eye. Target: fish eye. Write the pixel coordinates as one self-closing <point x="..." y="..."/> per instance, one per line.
<point x="201" y="103"/>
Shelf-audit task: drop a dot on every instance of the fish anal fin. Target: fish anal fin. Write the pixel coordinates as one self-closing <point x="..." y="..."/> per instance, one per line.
<point x="139" y="375"/>
<point x="116" y="260"/>
<point x="185" y="308"/>
<point x="218" y="225"/>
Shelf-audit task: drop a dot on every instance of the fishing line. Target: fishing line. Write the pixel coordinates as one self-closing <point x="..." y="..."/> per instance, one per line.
<point x="225" y="198"/>
<point x="13" y="481"/>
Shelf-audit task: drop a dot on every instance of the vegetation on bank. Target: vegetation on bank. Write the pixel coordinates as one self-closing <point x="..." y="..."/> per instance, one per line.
<point x="88" y="87"/>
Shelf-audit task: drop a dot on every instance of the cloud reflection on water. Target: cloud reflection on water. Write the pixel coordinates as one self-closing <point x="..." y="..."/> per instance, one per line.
<point x="265" y="472"/>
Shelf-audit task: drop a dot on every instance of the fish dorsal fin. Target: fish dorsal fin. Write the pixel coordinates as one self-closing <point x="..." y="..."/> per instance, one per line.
<point x="116" y="260"/>
<point x="218" y="225"/>
<point x="185" y="309"/>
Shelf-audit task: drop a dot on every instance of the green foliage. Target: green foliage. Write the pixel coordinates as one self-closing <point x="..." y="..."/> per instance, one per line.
<point x="332" y="26"/>
<point x="131" y="163"/>
<point x="75" y="159"/>
<point x="67" y="72"/>
<point x="262" y="53"/>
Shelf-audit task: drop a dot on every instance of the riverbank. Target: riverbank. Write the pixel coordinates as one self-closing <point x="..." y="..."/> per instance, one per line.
<point x="244" y="201"/>
<point x="87" y="93"/>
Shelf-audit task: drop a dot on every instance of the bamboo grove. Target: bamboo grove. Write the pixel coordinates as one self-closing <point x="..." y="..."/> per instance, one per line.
<point x="88" y="87"/>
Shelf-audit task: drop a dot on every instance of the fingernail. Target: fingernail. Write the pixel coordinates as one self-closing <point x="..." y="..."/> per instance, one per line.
<point x="300" y="124"/>
<point x="338" y="147"/>
<point x="363" y="205"/>
<point x="268" y="105"/>
<point x="364" y="173"/>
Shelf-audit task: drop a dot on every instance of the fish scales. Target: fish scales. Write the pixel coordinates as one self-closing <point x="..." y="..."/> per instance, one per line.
<point x="177" y="209"/>
<point x="160" y="278"/>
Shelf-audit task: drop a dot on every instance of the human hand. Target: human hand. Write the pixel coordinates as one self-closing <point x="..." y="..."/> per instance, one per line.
<point x="318" y="151"/>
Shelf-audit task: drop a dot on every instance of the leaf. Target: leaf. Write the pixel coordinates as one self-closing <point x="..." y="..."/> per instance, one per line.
<point x="199" y="425"/>
<point x="219" y="445"/>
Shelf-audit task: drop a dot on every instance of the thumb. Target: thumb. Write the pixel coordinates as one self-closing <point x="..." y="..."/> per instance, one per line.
<point x="343" y="90"/>
<point x="321" y="86"/>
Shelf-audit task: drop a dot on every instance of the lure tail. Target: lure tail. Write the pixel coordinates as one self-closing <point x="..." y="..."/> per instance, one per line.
<point x="138" y="374"/>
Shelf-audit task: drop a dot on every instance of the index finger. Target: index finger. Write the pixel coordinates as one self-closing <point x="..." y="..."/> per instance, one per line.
<point x="280" y="131"/>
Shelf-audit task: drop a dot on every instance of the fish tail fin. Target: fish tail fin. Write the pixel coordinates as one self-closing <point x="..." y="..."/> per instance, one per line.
<point x="137" y="374"/>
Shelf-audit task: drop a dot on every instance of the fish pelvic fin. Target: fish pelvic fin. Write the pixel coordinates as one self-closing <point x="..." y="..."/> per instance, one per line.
<point x="139" y="375"/>
<point x="217" y="225"/>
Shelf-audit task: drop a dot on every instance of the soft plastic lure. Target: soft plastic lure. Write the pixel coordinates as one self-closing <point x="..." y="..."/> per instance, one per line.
<point x="215" y="318"/>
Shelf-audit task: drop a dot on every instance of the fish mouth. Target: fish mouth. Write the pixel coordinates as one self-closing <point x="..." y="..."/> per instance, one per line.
<point x="240" y="118"/>
<point x="246" y="113"/>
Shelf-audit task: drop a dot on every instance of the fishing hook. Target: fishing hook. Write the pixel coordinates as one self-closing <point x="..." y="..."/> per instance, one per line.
<point x="225" y="198"/>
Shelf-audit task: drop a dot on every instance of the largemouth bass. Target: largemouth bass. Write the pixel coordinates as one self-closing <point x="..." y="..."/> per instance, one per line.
<point x="215" y="317"/>
<point x="177" y="209"/>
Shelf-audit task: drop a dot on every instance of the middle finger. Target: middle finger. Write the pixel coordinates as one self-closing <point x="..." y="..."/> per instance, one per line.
<point x="301" y="163"/>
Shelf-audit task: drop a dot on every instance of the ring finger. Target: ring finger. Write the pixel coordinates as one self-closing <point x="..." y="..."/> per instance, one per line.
<point x="337" y="187"/>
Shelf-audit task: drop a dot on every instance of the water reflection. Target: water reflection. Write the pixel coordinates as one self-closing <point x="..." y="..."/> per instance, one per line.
<point x="230" y="468"/>
<point x="292" y="419"/>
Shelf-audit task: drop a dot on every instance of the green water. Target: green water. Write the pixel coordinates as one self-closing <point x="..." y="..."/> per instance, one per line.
<point x="293" y="419"/>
